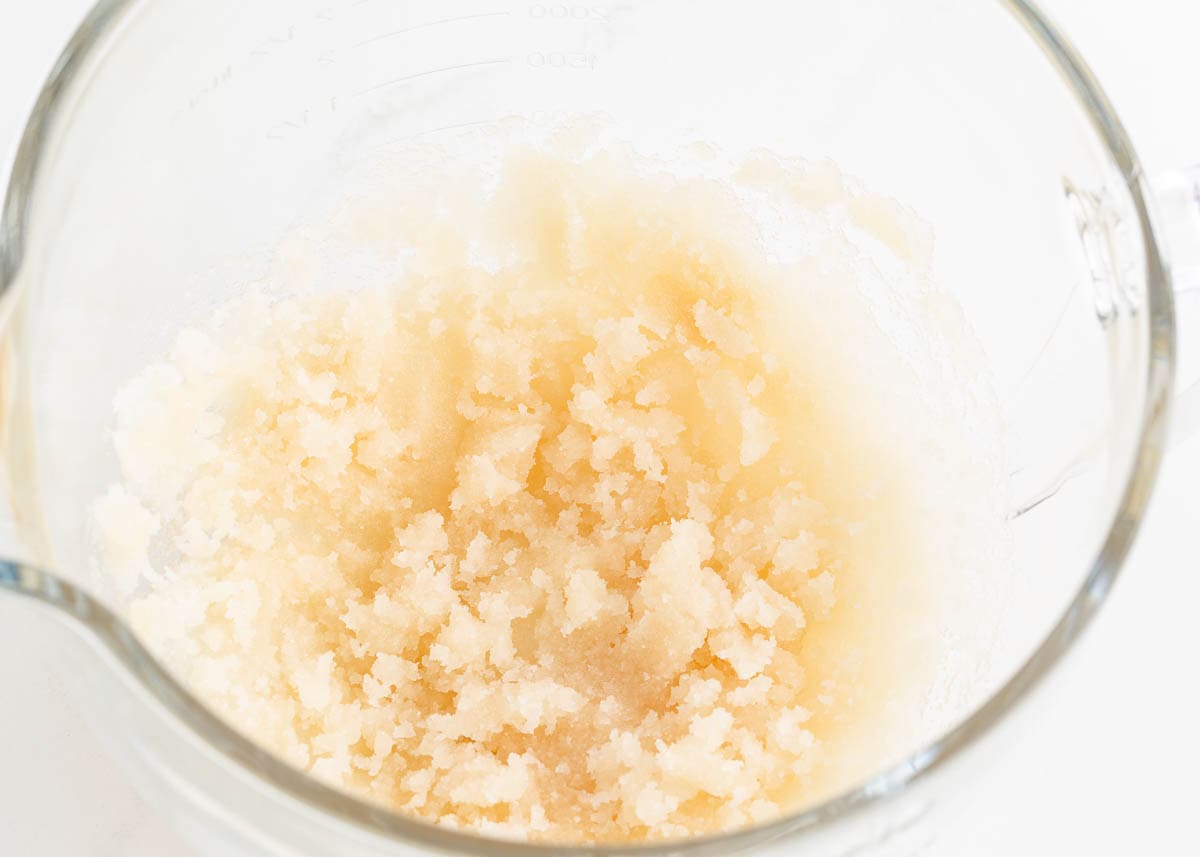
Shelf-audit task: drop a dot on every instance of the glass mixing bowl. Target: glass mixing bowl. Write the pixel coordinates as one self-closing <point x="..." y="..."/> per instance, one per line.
<point x="175" y="142"/>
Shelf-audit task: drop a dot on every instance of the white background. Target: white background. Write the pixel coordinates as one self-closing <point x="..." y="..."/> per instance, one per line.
<point x="1113" y="770"/>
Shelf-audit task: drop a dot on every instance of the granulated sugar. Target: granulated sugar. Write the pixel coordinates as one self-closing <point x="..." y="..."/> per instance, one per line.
<point x="595" y="523"/>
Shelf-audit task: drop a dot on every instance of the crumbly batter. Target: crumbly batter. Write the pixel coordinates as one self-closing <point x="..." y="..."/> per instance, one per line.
<point x="573" y="531"/>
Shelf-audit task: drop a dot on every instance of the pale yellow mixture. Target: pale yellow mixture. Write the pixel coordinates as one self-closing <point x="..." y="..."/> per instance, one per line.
<point x="578" y="530"/>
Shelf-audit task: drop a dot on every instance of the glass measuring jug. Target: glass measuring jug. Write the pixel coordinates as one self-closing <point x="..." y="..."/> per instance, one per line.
<point x="153" y="178"/>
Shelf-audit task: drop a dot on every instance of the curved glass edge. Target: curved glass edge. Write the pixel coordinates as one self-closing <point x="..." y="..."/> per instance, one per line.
<point x="99" y="23"/>
<point x="110" y="632"/>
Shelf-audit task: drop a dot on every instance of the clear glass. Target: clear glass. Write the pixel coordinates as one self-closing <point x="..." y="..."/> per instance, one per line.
<point x="176" y="143"/>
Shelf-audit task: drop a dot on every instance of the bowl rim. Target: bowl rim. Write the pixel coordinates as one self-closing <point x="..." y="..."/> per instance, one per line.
<point x="138" y="665"/>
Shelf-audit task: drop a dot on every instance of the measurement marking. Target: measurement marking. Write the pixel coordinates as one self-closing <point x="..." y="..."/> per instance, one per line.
<point x="374" y="39"/>
<point x="456" y="127"/>
<point x="398" y="140"/>
<point x="1052" y="335"/>
<point x="407" y="78"/>
<point x="1068" y="475"/>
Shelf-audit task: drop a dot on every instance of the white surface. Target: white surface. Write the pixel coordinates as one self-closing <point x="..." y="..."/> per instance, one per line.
<point x="1111" y="770"/>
